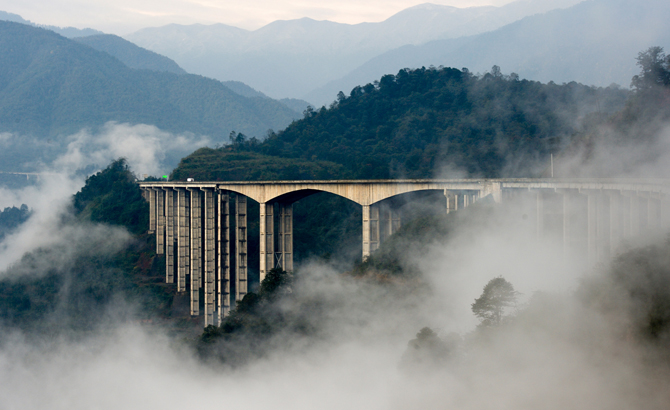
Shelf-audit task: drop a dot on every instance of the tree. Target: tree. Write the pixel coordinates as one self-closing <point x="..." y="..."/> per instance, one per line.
<point x="655" y="67"/>
<point x="498" y="295"/>
<point x="428" y="350"/>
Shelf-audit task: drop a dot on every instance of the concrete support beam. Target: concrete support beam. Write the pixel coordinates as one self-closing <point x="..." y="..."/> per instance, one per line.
<point x="366" y="232"/>
<point x="634" y="215"/>
<point x="182" y="244"/>
<point x="539" y="214"/>
<point x="625" y="215"/>
<point x="241" y="266"/>
<point x="653" y="214"/>
<point x="616" y="220"/>
<point x="592" y="228"/>
<point x="494" y="189"/>
<point x="223" y="264"/>
<point x="160" y="222"/>
<point x="286" y="236"/>
<point x="196" y="250"/>
<point x="374" y="227"/>
<point x="603" y="227"/>
<point x="266" y="242"/>
<point x="208" y="269"/>
<point x="447" y="198"/>
<point x="169" y="236"/>
<point x="187" y="237"/>
<point x="152" y="209"/>
<point x="567" y="225"/>
<point x="664" y="215"/>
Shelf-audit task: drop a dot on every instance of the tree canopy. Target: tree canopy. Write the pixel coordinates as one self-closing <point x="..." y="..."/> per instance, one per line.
<point x="498" y="295"/>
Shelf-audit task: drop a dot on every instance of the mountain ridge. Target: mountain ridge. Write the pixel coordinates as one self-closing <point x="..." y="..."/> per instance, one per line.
<point x="600" y="35"/>
<point x="290" y="58"/>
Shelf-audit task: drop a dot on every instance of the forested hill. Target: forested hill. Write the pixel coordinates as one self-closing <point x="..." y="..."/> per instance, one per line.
<point x="423" y="123"/>
<point x="51" y="86"/>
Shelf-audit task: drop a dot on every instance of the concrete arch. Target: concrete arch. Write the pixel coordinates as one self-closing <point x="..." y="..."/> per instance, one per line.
<point x="362" y="192"/>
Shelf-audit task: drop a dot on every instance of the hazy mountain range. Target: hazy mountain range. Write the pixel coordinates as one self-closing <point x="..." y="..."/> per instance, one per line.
<point x="292" y="58"/>
<point x="69" y="32"/>
<point x="52" y="87"/>
<point x="130" y="54"/>
<point x="595" y="42"/>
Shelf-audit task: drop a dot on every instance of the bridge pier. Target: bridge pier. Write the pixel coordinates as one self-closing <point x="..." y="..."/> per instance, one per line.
<point x="209" y="285"/>
<point x="241" y="239"/>
<point x="182" y="239"/>
<point x="616" y="220"/>
<point x="160" y="221"/>
<point x="195" y="251"/>
<point x="151" y="193"/>
<point x="266" y="238"/>
<point x="223" y="246"/>
<point x="169" y="235"/>
<point x="285" y="251"/>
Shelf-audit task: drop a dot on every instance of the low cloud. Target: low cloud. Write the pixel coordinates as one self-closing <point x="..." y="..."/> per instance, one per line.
<point x="147" y="150"/>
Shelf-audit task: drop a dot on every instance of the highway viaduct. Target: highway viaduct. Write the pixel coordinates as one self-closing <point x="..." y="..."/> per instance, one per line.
<point x="201" y="227"/>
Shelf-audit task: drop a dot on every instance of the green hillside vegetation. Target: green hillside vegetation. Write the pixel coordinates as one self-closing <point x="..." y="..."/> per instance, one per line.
<point x="12" y="218"/>
<point x="419" y="122"/>
<point x="130" y="54"/>
<point x="42" y="293"/>
<point x="231" y="164"/>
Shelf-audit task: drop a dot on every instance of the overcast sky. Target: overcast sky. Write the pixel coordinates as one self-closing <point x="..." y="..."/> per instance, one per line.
<point x="125" y="16"/>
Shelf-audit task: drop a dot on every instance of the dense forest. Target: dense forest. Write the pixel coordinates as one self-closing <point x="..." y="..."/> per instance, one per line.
<point x="422" y="123"/>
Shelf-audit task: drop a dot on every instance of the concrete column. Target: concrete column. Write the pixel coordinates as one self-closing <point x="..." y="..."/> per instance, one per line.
<point x="603" y="227"/>
<point x="653" y="214"/>
<point x="592" y="227"/>
<point x="169" y="235"/>
<point x="455" y="202"/>
<point x="634" y="215"/>
<point x="195" y="251"/>
<point x="448" y="201"/>
<point x="567" y="231"/>
<point x="494" y="189"/>
<point x="182" y="243"/>
<point x="374" y="227"/>
<point x="187" y="236"/>
<point x="209" y="242"/>
<point x="223" y="271"/>
<point x="539" y="214"/>
<point x="286" y="236"/>
<point x="366" y="232"/>
<point x="160" y="222"/>
<point x="152" y="210"/>
<point x="266" y="241"/>
<point x="388" y="223"/>
<point x="616" y="220"/>
<point x="625" y="215"/>
<point x="241" y="266"/>
<point x="466" y="200"/>
<point x="396" y="221"/>
<point x="663" y="211"/>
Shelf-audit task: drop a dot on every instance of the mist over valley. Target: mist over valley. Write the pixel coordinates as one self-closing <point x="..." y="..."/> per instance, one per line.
<point x="551" y="293"/>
